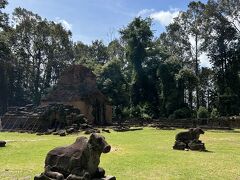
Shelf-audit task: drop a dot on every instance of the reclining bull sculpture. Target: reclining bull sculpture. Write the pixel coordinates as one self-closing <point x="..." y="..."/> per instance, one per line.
<point x="78" y="161"/>
<point x="189" y="140"/>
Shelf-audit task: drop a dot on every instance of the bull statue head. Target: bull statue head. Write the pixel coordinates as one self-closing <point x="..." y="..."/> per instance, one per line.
<point x="99" y="144"/>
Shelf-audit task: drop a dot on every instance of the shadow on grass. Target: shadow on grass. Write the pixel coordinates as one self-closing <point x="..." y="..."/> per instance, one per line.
<point x="207" y="151"/>
<point x="204" y="151"/>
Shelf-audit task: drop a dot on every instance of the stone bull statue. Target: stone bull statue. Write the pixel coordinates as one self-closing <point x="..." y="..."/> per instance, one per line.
<point x="189" y="140"/>
<point x="78" y="161"/>
<point x="190" y="135"/>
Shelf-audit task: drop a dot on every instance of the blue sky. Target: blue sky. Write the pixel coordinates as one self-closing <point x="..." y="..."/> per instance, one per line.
<point x="101" y="19"/>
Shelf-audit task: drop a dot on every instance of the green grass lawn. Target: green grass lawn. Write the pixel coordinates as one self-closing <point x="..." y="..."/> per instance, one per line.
<point x="145" y="154"/>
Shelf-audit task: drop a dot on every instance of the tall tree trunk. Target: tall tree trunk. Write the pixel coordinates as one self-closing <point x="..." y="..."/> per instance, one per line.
<point x="37" y="94"/>
<point x="208" y="97"/>
<point x="3" y="89"/>
<point x="190" y="96"/>
<point x="197" y="68"/>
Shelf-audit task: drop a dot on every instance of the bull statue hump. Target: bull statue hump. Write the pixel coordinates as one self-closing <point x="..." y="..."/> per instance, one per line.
<point x="79" y="160"/>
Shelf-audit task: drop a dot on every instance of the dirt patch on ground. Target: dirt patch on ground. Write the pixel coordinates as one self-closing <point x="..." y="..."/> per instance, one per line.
<point x="115" y="149"/>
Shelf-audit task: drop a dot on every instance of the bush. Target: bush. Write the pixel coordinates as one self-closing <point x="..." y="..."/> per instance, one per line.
<point x="194" y="113"/>
<point x="139" y="111"/>
<point x="182" y="113"/>
<point x="214" y="113"/>
<point x="202" y="112"/>
<point x="126" y="112"/>
<point x="135" y="111"/>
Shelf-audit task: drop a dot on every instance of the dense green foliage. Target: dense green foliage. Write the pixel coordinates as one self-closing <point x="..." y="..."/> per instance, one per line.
<point x="202" y="112"/>
<point x="142" y="155"/>
<point x="214" y="113"/>
<point x="182" y="113"/>
<point x="143" y="76"/>
<point x="34" y="52"/>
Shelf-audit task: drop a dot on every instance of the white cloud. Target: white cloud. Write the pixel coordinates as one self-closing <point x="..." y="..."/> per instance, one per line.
<point x="204" y="60"/>
<point x="64" y="23"/>
<point x="145" y="12"/>
<point x="165" y="17"/>
<point x="235" y="21"/>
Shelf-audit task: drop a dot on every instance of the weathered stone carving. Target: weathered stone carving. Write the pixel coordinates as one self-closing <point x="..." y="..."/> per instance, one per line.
<point x="77" y="161"/>
<point x="189" y="140"/>
<point x="190" y="135"/>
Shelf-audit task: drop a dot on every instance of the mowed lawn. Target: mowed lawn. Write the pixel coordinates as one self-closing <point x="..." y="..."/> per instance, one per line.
<point x="139" y="155"/>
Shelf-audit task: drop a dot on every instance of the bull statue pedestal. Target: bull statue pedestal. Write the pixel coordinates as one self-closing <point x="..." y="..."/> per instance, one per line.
<point x="189" y="140"/>
<point x="78" y="161"/>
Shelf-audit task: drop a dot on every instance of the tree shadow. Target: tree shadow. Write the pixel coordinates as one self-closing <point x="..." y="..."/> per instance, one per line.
<point x="207" y="151"/>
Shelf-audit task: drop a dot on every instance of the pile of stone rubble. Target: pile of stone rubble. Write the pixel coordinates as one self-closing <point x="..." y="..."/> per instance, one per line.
<point x="52" y="117"/>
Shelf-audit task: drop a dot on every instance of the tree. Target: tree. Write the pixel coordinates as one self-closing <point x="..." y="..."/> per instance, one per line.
<point x="187" y="27"/>
<point x="93" y="56"/>
<point x="42" y="50"/>
<point x="3" y="16"/>
<point x="223" y="43"/>
<point x="170" y="91"/>
<point x="5" y="59"/>
<point x="99" y="52"/>
<point x="5" y="67"/>
<point x="82" y="53"/>
<point x="112" y="83"/>
<point x="190" y="81"/>
<point x="231" y="8"/>
<point x="137" y="36"/>
<point x="206" y="87"/>
<point x="176" y="42"/>
<point x="192" y="22"/>
<point x="115" y="50"/>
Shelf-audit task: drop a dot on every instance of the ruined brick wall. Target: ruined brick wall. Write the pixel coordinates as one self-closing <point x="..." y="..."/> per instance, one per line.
<point x="77" y="87"/>
<point x="85" y="108"/>
<point x="108" y="114"/>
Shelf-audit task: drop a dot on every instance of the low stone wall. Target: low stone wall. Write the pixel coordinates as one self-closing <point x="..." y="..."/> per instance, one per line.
<point x="221" y="122"/>
<point x="218" y="123"/>
<point x="234" y="121"/>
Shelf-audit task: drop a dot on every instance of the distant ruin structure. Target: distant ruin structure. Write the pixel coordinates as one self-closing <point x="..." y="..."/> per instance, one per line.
<point x="74" y="100"/>
<point x="77" y="87"/>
